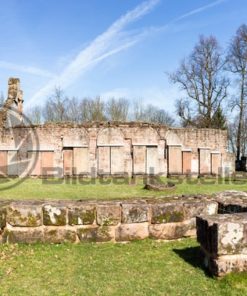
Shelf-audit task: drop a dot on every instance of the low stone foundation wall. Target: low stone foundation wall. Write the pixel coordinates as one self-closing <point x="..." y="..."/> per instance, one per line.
<point x="80" y="221"/>
<point x="223" y="237"/>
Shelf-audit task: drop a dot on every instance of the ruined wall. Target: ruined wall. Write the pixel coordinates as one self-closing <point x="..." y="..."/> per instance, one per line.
<point x="77" y="221"/>
<point x="101" y="149"/>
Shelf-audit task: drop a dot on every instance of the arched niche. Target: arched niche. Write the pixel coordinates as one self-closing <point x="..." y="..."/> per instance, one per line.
<point x="172" y="139"/>
<point x="145" y="136"/>
<point x="110" y="137"/>
<point x="75" y="137"/>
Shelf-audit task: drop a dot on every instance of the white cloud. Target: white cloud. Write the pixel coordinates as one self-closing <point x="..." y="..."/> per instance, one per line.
<point x="103" y="46"/>
<point x="26" y="69"/>
<point x="198" y="10"/>
<point x="109" y="43"/>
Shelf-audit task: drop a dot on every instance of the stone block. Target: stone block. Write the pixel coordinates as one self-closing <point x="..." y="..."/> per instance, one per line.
<point x="167" y="213"/>
<point x="216" y="163"/>
<point x="169" y="231"/>
<point x="130" y="232"/>
<point x="82" y="215"/>
<point x="204" y="161"/>
<point x="186" y="162"/>
<point x="232" y="201"/>
<point x="175" y="160"/>
<point x="96" y="233"/>
<point x="55" y="215"/>
<point x="58" y="235"/>
<point x="223" y="234"/>
<point x="108" y="214"/>
<point x="24" y="214"/>
<point x="197" y="208"/>
<point x="23" y="235"/>
<point x="135" y="213"/>
<point x="226" y="264"/>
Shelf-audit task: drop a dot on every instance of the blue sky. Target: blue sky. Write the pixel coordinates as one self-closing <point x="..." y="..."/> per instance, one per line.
<point x="109" y="48"/>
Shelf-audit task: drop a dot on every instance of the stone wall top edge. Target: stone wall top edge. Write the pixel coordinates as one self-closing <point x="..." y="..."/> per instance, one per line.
<point x="160" y="200"/>
<point x="224" y="218"/>
<point x="130" y="124"/>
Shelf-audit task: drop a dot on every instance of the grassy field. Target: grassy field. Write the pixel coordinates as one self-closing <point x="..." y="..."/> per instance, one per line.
<point x="138" y="268"/>
<point x="108" y="188"/>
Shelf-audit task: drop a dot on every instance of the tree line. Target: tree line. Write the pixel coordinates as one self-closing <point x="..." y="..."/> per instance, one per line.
<point x="61" y="108"/>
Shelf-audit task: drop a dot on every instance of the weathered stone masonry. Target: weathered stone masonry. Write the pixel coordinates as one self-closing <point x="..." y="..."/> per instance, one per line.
<point x="109" y="148"/>
<point x="82" y="221"/>
<point x="223" y="237"/>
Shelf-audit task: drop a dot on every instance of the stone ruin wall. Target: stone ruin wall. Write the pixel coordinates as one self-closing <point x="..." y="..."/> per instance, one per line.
<point x="113" y="149"/>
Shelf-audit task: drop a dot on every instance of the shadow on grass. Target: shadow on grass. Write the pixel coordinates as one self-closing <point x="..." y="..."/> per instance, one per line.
<point x="194" y="257"/>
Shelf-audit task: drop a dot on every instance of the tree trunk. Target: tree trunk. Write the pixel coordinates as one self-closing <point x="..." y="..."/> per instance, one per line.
<point x="240" y="124"/>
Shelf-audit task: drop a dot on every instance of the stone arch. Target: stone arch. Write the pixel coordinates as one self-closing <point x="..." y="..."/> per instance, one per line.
<point x="110" y="137"/>
<point x="172" y="138"/>
<point x="75" y="137"/>
<point x="145" y="136"/>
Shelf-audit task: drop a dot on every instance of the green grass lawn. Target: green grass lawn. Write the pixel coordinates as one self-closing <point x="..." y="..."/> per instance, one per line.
<point x="138" y="268"/>
<point x="108" y="188"/>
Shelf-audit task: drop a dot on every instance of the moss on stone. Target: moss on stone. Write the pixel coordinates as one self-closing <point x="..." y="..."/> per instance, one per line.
<point x="108" y="221"/>
<point x="87" y="234"/>
<point x="167" y="217"/>
<point x="59" y="219"/>
<point x="81" y="216"/>
<point x="88" y="216"/>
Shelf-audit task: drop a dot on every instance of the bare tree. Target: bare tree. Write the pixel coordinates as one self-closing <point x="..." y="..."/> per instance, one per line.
<point x="156" y="115"/>
<point x="201" y="77"/>
<point x="74" y="113"/>
<point x="138" y="113"/>
<point x="151" y="113"/>
<point x="163" y="117"/>
<point x="55" y="109"/>
<point x="237" y="64"/>
<point x="34" y="115"/>
<point x="117" y="109"/>
<point x="232" y="127"/>
<point x="93" y="109"/>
